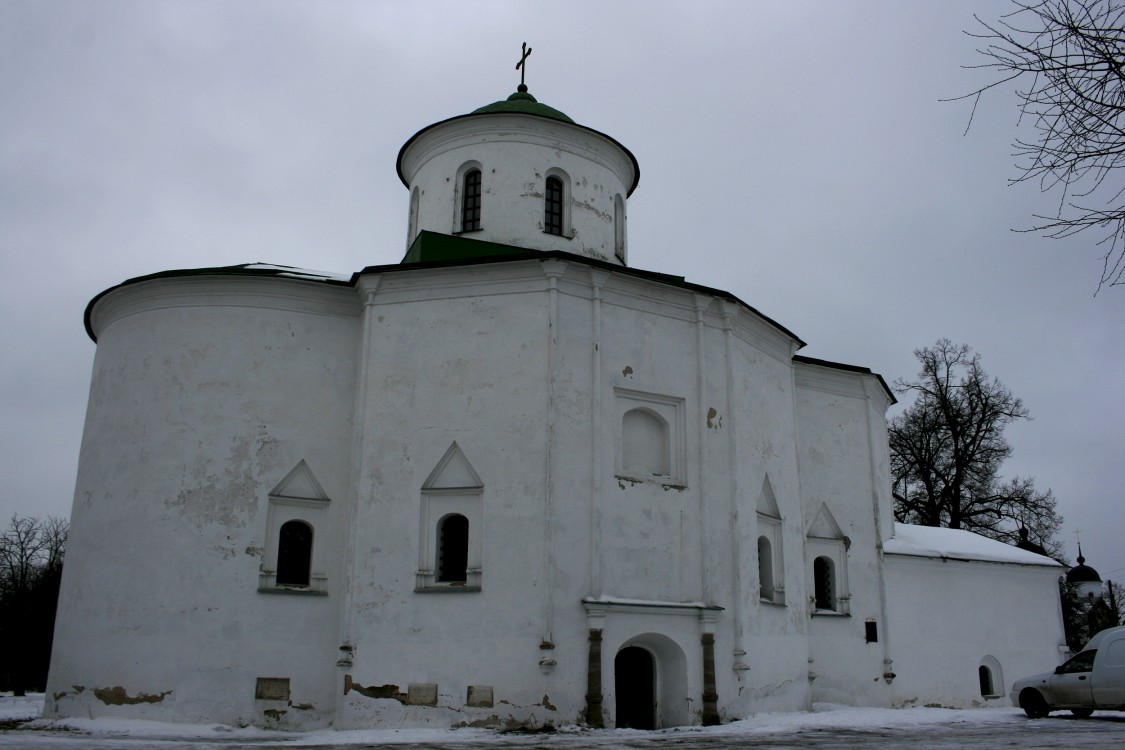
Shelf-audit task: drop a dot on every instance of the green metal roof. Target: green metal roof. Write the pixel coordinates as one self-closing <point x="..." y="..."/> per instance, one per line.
<point x="431" y="247"/>
<point x="523" y="103"/>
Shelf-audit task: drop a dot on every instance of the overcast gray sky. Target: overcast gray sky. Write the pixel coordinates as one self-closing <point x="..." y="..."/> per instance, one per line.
<point x="795" y="154"/>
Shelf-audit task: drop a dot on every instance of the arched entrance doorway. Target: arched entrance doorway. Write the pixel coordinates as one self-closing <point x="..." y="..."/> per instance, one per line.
<point x="634" y="682"/>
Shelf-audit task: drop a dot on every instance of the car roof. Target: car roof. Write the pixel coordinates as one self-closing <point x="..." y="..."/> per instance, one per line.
<point x="1101" y="636"/>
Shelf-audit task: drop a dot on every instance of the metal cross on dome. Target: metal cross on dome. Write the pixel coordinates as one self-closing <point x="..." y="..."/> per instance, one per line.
<point x="521" y="67"/>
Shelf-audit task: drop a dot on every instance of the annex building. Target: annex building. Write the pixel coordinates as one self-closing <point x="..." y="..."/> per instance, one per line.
<point x="509" y="481"/>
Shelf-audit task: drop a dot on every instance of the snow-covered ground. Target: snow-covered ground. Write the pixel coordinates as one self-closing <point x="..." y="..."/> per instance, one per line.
<point x="825" y="718"/>
<point x="20" y="709"/>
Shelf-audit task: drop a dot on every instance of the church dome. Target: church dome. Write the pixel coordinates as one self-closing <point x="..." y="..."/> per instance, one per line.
<point x="519" y="174"/>
<point x="1085" y="580"/>
<point x="1082" y="573"/>
<point x="523" y="103"/>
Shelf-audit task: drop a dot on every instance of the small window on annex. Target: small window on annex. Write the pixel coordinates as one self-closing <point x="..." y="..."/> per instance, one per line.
<point x="453" y="549"/>
<point x="471" y="201"/>
<point x="824" y="583"/>
<point x="991" y="678"/>
<point x="985" y="676"/>
<point x="553" y="207"/>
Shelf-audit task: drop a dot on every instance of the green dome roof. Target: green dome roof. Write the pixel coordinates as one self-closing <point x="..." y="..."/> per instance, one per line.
<point x="523" y="103"/>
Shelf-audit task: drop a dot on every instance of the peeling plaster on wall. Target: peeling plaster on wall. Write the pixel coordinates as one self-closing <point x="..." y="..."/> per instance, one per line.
<point x="512" y="723"/>
<point x="377" y="692"/>
<point x="714" y="419"/>
<point x="117" y="696"/>
<point x="507" y="724"/>
<point x="77" y="689"/>
<point x="627" y="372"/>
<point x="227" y="500"/>
<point x="606" y="217"/>
<point x="767" y="690"/>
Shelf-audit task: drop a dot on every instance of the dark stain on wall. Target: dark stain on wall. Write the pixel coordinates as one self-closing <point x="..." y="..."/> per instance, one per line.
<point x="117" y="696"/>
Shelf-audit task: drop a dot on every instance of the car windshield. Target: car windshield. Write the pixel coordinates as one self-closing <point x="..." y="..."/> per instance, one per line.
<point x="1082" y="662"/>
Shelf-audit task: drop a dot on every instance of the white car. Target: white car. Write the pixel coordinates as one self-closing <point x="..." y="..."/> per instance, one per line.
<point x="1092" y="679"/>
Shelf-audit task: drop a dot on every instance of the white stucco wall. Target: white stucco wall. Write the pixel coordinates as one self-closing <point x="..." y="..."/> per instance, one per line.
<point x="209" y="391"/>
<point x="206" y="392"/>
<point x="537" y="417"/>
<point x="949" y="616"/>
<point x="838" y="412"/>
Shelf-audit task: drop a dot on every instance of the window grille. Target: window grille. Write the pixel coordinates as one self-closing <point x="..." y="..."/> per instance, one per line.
<point x="470" y="202"/>
<point x="453" y="549"/>
<point x="553" y="207"/>
<point x="824" y="581"/>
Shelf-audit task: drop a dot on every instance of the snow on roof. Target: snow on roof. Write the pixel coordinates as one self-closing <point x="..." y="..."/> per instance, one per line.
<point x="958" y="544"/>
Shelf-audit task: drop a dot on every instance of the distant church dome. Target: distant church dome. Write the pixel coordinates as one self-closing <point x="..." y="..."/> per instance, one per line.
<point x="1082" y="573"/>
<point x="1085" y="580"/>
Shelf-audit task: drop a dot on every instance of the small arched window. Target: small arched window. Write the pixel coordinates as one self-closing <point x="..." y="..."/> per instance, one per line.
<point x="470" y="201"/>
<point x="619" y="227"/>
<point x="824" y="583"/>
<point x="765" y="569"/>
<point x="985" y="675"/>
<point x="553" y="207"/>
<point x="294" y="553"/>
<point x="412" y="226"/>
<point x="453" y="549"/>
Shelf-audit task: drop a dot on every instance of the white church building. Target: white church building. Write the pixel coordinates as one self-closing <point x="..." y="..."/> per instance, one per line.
<point x="509" y="481"/>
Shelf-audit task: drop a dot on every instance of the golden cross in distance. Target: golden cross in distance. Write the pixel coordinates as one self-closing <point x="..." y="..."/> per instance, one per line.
<point x="520" y="66"/>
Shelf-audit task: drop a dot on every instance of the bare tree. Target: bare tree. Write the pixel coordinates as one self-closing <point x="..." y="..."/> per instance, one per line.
<point x="1115" y="592"/>
<point x="22" y="553"/>
<point x="31" y="559"/>
<point x="1069" y="59"/>
<point x="947" y="448"/>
